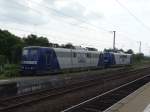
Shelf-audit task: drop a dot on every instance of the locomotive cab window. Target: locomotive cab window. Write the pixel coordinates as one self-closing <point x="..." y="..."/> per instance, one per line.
<point x="25" y="52"/>
<point x="31" y="54"/>
<point x="33" y="51"/>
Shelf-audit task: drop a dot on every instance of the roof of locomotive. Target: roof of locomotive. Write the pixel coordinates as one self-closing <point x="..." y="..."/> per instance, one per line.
<point x="120" y="53"/>
<point x="64" y="49"/>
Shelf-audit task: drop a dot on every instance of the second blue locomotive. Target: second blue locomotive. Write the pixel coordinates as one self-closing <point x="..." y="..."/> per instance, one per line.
<point x="41" y="60"/>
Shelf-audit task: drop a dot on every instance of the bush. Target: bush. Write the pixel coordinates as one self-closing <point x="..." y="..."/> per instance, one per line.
<point x="2" y="62"/>
<point x="10" y="70"/>
<point x="137" y="58"/>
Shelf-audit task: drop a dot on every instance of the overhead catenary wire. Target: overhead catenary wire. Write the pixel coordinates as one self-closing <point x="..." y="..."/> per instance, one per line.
<point x="37" y="11"/>
<point x="66" y="15"/>
<point x="133" y="15"/>
<point x="34" y="25"/>
<point x="59" y="12"/>
<point x="33" y="9"/>
<point x="77" y="19"/>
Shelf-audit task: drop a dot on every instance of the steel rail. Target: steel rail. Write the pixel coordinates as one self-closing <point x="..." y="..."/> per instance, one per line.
<point x="70" y="109"/>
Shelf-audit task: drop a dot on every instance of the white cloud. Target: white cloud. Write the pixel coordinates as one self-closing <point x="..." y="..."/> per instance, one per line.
<point x="63" y="19"/>
<point x="19" y="12"/>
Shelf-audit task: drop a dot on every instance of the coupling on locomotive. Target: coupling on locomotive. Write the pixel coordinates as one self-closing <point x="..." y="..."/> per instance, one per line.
<point x="41" y="60"/>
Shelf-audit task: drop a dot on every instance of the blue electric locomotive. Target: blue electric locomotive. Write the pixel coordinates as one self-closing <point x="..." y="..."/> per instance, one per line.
<point x="117" y="59"/>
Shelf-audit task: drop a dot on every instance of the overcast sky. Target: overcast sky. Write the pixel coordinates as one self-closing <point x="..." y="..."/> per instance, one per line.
<point x="81" y="22"/>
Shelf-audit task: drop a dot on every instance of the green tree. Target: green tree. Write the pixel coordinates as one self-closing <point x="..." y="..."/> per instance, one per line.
<point x="2" y="62"/>
<point x="34" y="40"/>
<point x="16" y="53"/>
<point x="138" y="57"/>
<point x="112" y="50"/>
<point x="91" y="49"/>
<point x="68" y="45"/>
<point x="130" y="51"/>
<point x="8" y="42"/>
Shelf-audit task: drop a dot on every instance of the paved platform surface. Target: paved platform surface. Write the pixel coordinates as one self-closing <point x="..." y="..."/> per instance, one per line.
<point x="138" y="101"/>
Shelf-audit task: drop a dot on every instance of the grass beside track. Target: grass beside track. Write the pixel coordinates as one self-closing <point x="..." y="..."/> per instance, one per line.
<point x="140" y="64"/>
<point x="9" y="71"/>
<point x="12" y="71"/>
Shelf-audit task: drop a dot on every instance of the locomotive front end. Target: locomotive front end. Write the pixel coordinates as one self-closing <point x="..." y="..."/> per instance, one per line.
<point x="29" y="63"/>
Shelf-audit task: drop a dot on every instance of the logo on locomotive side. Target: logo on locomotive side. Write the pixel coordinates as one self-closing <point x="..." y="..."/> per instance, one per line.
<point x="123" y="58"/>
<point x="81" y="58"/>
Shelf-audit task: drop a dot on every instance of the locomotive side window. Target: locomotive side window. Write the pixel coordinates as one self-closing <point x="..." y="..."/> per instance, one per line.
<point x="123" y="56"/>
<point x="88" y="55"/>
<point x="74" y="54"/>
<point x="46" y="58"/>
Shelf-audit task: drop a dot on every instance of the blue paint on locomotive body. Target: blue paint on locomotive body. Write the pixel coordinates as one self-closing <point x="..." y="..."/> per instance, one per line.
<point x="109" y="59"/>
<point x="49" y="59"/>
<point x="46" y="60"/>
<point x="101" y="60"/>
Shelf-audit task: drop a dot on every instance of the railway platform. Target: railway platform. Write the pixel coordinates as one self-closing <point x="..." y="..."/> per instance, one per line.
<point x="20" y="85"/>
<point x="138" y="101"/>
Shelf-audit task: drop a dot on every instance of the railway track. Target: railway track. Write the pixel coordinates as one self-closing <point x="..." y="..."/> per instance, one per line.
<point x="16" y="101"/>
<point x="7" y="104"/>
<point x="107" y="99"/>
